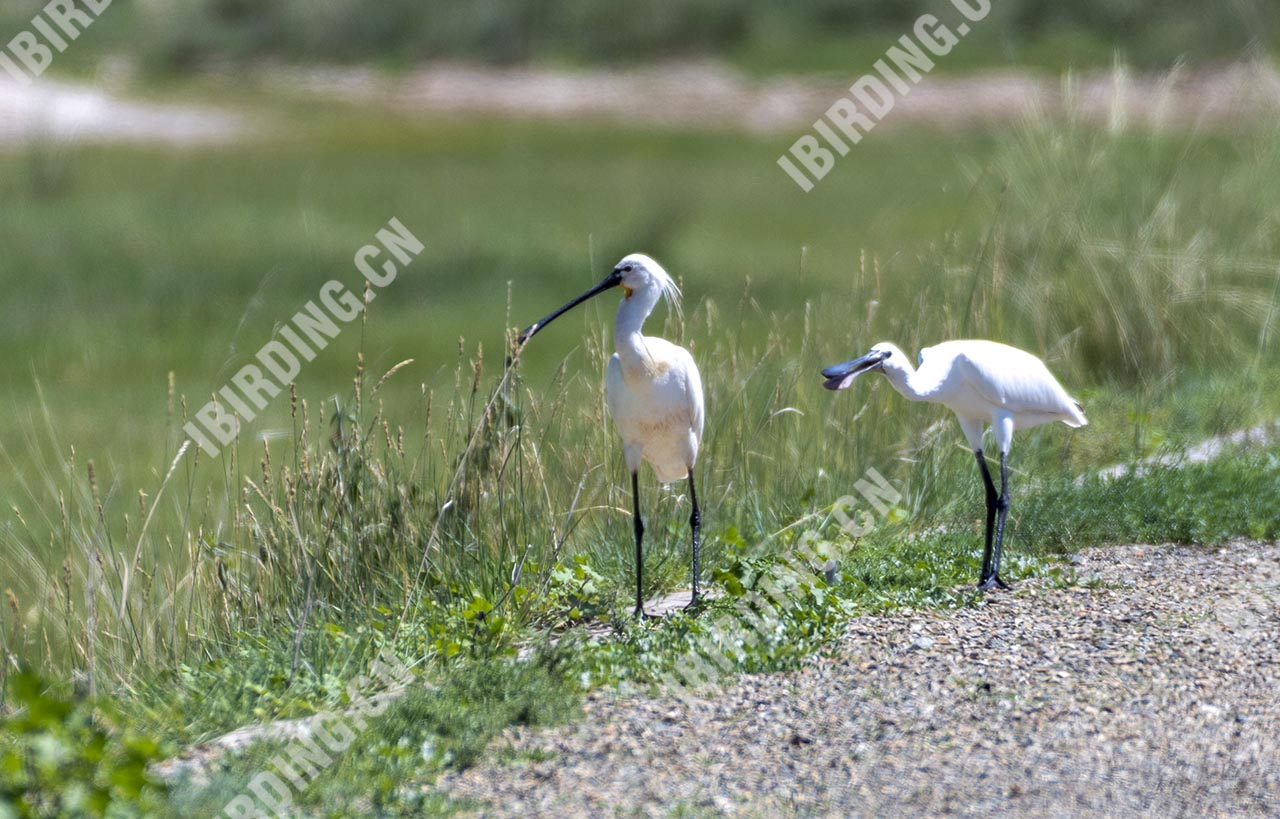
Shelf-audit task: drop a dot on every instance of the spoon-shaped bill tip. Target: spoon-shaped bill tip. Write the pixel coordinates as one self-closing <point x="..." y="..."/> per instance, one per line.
<point x="834" y="383"/>
<point x="840" y="376"/>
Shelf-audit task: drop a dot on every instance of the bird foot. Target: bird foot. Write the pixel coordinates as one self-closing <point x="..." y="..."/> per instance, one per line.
<point x="992" y="583"/>
<point x="694" y="604"/>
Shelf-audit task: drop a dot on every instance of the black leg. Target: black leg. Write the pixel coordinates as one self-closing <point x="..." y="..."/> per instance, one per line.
<point x="695" y="523"/>
<point x="1003" y="506"/>
<point x="987" y="553"/>
<point x="639" y="528"/>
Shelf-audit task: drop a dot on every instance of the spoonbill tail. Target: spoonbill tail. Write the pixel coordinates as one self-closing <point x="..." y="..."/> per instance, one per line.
<point x="982" y="382"/>
<point x="653" y="392"/>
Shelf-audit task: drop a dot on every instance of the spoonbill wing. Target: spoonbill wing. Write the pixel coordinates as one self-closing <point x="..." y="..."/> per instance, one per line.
<point x="1015" y="380"/>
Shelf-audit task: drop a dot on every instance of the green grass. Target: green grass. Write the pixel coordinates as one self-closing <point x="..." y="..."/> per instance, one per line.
<point x="389" y="769"/>
<point x="459" y="512"/>
<point x="1200" y="503"/>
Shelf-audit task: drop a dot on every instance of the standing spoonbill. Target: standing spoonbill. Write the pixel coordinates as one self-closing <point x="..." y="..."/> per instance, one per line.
<point x="982" y="382"/>
<point x="653" y="392"/>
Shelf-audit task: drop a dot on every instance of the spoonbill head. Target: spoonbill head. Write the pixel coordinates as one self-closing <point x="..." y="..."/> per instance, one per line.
<point x="653" y="391"/>
<point x="883" y="357"/>
<point x="983" y="382"/>
<point x="639" y="276"/>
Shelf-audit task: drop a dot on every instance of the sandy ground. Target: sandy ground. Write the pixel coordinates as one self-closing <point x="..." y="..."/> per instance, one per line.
<point x="684" y="95"/>
<point x="48" y="110"/>
<point x="708" y="94"/>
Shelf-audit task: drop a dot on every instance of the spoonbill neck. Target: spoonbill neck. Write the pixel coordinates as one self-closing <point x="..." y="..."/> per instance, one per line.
<point x="909" y="383"/>
<point x="632" y="313"/>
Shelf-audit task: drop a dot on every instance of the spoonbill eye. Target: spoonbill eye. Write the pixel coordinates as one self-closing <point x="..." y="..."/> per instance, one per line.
<point x="627" y="269"/>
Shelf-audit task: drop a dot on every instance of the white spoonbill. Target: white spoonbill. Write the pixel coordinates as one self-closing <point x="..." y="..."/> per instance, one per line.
<point x="982" y="382"/>
<point x="653" y="391"/>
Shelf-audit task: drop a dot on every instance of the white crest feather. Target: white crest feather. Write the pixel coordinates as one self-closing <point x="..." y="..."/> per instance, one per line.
<point x="670" y="290"/>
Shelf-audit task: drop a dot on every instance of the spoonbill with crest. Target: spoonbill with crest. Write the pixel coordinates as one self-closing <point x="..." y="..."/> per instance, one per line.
<point x="983" y="382"/>
<point x="653" y="392"/>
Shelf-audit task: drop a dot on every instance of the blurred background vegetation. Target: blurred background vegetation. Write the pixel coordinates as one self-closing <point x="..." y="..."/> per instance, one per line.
<point x="805" y="35"/>
<point x="460" y="511"/>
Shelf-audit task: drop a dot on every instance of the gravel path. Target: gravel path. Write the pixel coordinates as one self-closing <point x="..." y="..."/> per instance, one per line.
<point x="1151" y="689"/>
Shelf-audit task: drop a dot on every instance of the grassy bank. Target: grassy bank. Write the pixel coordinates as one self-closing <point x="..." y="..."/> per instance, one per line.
<point x="458" y="510"/>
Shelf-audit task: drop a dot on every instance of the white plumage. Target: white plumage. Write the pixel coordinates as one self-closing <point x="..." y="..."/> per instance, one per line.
<point x="653" y="388"/>
<point x="983" y="382"/>
<point x="653" y="391"/>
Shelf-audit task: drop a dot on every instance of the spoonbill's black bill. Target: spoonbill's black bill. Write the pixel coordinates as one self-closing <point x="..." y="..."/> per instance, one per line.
<point x="841" y="376"/>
